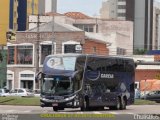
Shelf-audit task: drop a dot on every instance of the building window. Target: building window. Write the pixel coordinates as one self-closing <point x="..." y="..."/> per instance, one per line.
<point x="27" y="75"/>
<point x="20" y="54"/>
<point x="85" y="27"/>
<point x="121" y="6"/>
<point x="94" y="49"/>
<point x="122" y="14"/>
<point x="45" y="50"/>
<point x="24" y="54"/>
<point x="9" y="75"/>
<point x="121" y="51"/>
<point x="27" y="79"/>
<point x="11" y="54"/>
<point x="121" y="0"/>
<point x="69" y="49"/>
<point x="28" y="84"/>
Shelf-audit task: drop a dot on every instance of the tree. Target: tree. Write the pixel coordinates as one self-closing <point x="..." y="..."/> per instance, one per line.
<point x="1" y="57"/>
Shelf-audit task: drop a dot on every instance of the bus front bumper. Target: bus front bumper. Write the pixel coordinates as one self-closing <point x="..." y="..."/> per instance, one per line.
<point x="65" y="103"/>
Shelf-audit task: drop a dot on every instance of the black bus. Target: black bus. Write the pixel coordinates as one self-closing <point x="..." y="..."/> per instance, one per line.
<point x="87" y="81"/>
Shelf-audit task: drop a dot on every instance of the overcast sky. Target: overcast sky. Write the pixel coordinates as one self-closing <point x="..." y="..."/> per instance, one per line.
<point x="89" y="7"/>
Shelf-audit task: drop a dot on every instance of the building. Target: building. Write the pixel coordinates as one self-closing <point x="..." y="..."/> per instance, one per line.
<point x="117" y="10"/>
<point x="115" y="32"/>
<point x="147" y="74"/>
<point x="22" y="53"/>
<point x="139" y="11"/>
<point x="143" y="24"/>
<point x="19" y="12"/>
<point x="43" y="8"/>
<point x="16" y="15"/>
<point x="4" y="21"/>
<point x="156" y="26"/>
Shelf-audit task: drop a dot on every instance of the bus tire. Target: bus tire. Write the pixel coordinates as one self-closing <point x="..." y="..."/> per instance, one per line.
<point x="123" y="104"/>
<point x="117" y="106"/>
<point x="55" y="109"/>
<point x="85" y="105"/>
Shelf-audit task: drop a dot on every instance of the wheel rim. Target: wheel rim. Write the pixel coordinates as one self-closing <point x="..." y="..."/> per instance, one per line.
<point x="85" y="106"/>
<point x="118" y="104"/>
<point x="124" y="104"/>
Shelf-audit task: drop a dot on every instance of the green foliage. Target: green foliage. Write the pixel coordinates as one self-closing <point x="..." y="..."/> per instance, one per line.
<point x="144" y="102"/>
<point x="140" y="51"/>
<point x="1" y="57"/>
<point x="3" y="68"/>
<point x="28" y="101"/>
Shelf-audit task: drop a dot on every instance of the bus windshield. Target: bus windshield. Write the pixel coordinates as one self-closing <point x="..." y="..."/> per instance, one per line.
<point x="57" y="85"/>
<point x="61" y="62"/>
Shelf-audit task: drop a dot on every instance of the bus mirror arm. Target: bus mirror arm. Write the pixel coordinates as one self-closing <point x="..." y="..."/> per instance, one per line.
<point x="38" y="77"/>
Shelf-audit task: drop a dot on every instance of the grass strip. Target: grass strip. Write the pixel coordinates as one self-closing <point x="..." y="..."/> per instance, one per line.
<point x="35" y="101"/>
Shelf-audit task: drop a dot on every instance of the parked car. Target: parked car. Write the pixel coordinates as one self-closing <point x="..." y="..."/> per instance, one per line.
<point x="36" y="93"/>
<point x="153" y="95"/>
<point x="22" y="92"/>
<point x="137" y="93"/>
<point x="4" y="92"/>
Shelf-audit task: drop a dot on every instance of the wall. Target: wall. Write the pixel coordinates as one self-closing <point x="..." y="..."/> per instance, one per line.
<point x="100" y="48"/>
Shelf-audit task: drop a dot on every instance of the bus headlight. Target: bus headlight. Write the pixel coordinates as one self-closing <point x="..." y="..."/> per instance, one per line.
<point x="70" y="98"/>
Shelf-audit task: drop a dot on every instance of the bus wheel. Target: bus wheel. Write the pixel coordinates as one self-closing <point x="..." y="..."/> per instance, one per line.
<point x="123" y="104"/>
<point x="55" y="108"/>
<point x="85" y="105"/>
<point x="117" y="106"/>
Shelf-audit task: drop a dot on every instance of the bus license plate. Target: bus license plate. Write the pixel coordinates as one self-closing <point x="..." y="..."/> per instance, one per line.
<point x="54" y="104"/>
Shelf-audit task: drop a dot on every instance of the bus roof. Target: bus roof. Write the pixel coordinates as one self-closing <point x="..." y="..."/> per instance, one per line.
<point x="89" y="55"/>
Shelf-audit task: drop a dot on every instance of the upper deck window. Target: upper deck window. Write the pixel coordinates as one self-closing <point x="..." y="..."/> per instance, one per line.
<point x="61" y="63"/>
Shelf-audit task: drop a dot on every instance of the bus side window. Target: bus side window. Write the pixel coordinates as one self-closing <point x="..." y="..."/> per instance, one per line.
<point x="91" y="66"/>
<point x="99" y="69"/>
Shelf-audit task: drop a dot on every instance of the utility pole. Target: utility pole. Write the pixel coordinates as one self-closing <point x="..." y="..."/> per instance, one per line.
<point x="52" y="35"/>
<point x="37" y="44"/>
<point x="37" y="49"/>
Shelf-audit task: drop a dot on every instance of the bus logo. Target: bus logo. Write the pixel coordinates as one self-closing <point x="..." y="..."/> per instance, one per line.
<point x="93" y="75"/>
<point x="107" y="75"/>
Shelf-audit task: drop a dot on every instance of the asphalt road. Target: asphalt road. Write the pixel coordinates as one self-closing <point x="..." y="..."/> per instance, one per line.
<point x="133" y="112"/>
<point x="133" y="109"/>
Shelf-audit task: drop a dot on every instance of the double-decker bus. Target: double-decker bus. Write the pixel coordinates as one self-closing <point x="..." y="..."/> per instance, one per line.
<point x="87" y="81"/>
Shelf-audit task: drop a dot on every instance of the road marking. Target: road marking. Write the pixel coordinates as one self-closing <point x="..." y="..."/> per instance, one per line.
<point x="10" y="111"/>
<point x="114" y="113"/>
<point x="97" y="112"/>
<point x="27" y="111"/>
<point x="130" y="113"/>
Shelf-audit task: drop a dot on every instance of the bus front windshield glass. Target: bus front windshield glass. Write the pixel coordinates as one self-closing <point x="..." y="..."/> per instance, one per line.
<point x="57" y="85"/>
<point x="62" y="63"/>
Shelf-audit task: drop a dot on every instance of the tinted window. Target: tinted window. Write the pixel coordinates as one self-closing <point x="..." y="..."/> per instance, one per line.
<point x="91" y="64"/>
<point x="20" y="91"/>
<point x="129" y="66"/>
